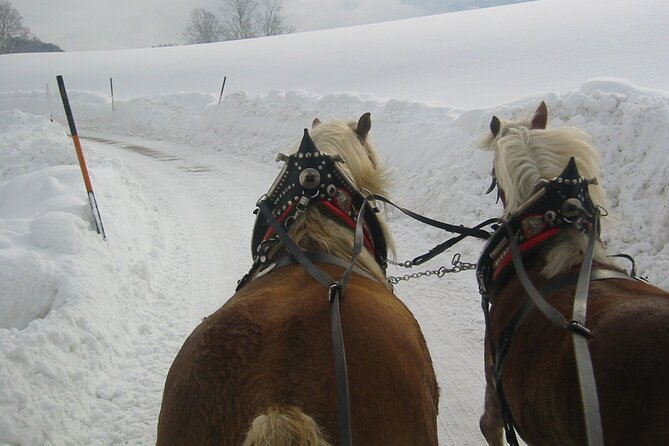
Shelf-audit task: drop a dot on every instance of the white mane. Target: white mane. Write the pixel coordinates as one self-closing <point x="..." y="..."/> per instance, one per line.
<point x="317" y="231"/>
<point x="523" y="156"/>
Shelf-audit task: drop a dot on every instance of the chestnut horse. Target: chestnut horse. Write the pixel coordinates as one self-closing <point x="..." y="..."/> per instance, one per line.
<point x="261" y="369"/>
<point x="532" y="375"/>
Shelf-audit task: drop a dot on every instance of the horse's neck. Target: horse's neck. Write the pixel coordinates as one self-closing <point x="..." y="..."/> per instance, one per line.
<point x="567" y="252"/>
<point x="330" y="237"/>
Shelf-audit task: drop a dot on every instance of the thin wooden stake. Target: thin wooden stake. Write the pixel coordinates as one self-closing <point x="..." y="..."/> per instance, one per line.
<point x="80" y="157"/>
<point x="222" y="88"/>
<point x="48" y="99"/>
<point x="111" y="87"/>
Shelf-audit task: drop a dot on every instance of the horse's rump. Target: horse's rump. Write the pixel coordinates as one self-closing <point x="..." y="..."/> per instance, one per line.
<point x="630" y="356"/>
<point x="270" y="346"/>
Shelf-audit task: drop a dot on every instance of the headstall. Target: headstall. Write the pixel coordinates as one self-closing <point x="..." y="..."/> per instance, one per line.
<point x="557" y="203"/>
<point x="311" y="177"/>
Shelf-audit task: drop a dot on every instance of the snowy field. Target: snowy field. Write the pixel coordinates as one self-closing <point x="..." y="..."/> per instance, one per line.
<point x="88" y="328"/>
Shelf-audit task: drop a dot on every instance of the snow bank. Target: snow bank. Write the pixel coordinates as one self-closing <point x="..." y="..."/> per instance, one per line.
<point x="70" y="315"/>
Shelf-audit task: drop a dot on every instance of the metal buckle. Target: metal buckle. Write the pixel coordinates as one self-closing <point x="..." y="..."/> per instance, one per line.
<point x="580" y="329"/>
<point x="334" y="291"/>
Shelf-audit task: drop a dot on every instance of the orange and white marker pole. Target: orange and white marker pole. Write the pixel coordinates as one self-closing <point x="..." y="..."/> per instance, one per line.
<point x="80" y="157"/>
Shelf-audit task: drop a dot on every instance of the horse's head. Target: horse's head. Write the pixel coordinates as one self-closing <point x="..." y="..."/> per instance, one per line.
<point x="321" y="190"/>
<point x="527" y="153"/>
<point x="527" y="156"/>
<point x="351" y="140"/>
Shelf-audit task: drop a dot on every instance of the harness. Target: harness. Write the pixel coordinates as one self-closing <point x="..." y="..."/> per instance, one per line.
<point x="310" y="177"/>
<point x="557" y="204"/>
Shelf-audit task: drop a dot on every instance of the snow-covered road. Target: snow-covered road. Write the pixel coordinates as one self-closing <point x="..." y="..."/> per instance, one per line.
<point x="206" y="201"/>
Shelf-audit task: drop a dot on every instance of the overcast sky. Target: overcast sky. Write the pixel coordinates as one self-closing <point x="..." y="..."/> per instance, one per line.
<point x="79" y="25"/>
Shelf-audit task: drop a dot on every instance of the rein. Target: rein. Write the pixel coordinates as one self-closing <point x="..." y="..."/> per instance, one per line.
<point x="335" y="293"/>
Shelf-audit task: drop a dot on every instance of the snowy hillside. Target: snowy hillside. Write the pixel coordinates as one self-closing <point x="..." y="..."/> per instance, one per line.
<point x="464" y="59"/>
<point x="88" y="329"/>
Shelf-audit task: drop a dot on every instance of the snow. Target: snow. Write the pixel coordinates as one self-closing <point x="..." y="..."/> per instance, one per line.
<point x="464" y="59"/>
<point x="88" y="328"/>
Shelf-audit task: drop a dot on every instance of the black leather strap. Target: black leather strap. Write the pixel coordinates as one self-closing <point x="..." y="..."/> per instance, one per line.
<point x="586" y="373"/>
<point x="464" y="231"/>
<point x="580" y="333"/>
<point x="335" y="293"/>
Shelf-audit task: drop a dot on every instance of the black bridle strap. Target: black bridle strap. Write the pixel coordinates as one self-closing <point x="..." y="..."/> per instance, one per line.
<point x="457" y="229"/>
<point x="335" y="294"/>
<point x="464" y="231"/>
<point x="452" y="241"/>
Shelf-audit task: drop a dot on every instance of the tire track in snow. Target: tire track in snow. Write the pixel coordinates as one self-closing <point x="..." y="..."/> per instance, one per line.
<point x="206" y="248"/>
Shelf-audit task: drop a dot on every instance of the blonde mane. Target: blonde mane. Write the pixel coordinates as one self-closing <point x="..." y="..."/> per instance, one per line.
<point x="525" y="155"/>
<point x="316" y="230"/>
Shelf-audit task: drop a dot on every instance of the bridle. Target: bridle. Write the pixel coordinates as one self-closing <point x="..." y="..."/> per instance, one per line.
<point x="558" y="204"/>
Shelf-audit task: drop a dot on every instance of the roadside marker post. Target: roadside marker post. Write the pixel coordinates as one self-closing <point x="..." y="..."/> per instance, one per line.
<point x="80" y="156"/>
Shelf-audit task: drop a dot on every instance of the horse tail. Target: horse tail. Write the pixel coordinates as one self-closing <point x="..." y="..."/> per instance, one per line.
<point x="285" y="426"/>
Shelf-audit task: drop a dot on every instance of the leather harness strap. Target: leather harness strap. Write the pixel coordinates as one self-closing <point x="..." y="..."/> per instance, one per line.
<point x="586" y="373"/>
<point x="316" y="257"/>
<point x="335" y="290"/>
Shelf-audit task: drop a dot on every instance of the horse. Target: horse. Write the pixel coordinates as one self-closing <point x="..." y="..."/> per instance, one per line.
<point x="546" y="179"/>
<point x="261" y="369"/>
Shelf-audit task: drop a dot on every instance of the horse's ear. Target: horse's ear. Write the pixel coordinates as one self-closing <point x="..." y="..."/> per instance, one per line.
<point x="364" y="126"/>
<point x="315" y="122"/>
<point x="540" y="118"/>
<point x="495" y="126"/>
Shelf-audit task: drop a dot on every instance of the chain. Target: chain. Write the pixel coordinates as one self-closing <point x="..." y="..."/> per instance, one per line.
<point x="458" y="266"/>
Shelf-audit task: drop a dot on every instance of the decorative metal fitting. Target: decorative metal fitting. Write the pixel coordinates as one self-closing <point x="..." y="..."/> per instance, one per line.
<point x="310" y="178"/>
<point x="572" y="208"/>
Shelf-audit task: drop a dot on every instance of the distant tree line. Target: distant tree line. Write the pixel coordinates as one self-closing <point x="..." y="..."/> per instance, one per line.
<point x="15" y="37"/>
<point x="240" y="19"/>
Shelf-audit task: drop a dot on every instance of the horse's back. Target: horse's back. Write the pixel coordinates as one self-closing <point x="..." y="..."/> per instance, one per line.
<point x="270" y="346"/>
<point x="630" y="355"/>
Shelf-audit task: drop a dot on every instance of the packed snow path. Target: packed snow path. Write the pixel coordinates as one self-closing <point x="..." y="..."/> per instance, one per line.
<point x="207" y="203"/>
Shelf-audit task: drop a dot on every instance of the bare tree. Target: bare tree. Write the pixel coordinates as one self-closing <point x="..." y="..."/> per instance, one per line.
<point x="273" y="21"/>
<point x="11" y="27"/>
<point x="203" y="27"/>
<point x="241" y="19"/>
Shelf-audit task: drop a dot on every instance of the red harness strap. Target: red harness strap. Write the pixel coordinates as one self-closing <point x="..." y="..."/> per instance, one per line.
<point x="529" y="245"/>
<point x="369" y="244"/>
<point x="281" y="218"/>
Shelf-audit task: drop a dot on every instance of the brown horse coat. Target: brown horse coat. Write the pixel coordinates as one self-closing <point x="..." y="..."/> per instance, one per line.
<point x="270" y="346"/>
<point x="630" y="355"/>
